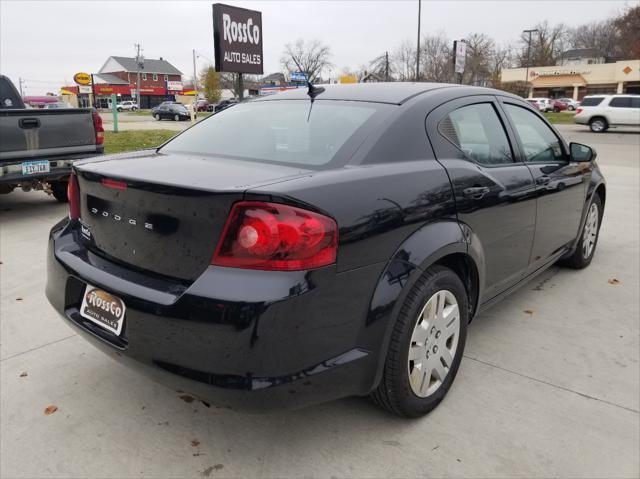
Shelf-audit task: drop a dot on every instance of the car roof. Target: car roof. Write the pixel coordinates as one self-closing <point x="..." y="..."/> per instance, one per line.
<point x="392" y="92"/>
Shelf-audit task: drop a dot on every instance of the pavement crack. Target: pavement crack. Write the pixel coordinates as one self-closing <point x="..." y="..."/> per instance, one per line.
<point x="552" y="385"/>
<point x="39" y="347"/>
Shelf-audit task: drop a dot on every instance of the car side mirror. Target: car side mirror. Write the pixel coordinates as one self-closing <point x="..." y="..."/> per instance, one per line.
<point x="581" y="153"/>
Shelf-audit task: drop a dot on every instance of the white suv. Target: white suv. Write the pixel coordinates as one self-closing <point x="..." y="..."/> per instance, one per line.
<point x="127" y="105"/>
<point x="603" y="111"/>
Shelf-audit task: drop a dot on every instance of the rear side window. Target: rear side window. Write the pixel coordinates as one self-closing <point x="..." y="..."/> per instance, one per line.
<point x="478" y="132"/>
<point x="539" y="142"/>
<point x="592" y="101"/>
<point x="620" y="102"/>
<point x="635" y="102"/>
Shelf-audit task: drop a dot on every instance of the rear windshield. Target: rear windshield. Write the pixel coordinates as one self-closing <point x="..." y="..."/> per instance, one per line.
<point x="592" y="101"/>
<point x="280" y="131"/>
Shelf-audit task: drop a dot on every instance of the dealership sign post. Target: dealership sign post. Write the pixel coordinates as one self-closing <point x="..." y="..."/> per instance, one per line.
<point x="459" y="56"/>
<point x="237" y="40"/>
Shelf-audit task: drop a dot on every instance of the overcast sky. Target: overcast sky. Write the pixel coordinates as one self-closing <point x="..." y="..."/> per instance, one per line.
<point x="47" y="42"/>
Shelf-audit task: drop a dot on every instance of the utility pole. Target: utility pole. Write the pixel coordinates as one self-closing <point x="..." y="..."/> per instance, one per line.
<point x="195" y="77"/>
<point x="418" y="50"/>
<point x="386" y="66"/>
<point x="240" y="87"/>
<point x="140" y="66"/>
<point x="526" y="80"/>
<point x="20" y="80"/>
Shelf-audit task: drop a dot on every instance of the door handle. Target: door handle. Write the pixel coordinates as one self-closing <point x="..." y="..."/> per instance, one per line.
<point x="27" y="123"/>
<point x="543" y="180"/>
<point x="475" y="192"/>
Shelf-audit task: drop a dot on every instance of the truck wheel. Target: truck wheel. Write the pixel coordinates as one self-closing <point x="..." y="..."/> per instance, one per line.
<point x="133" y="109"/>
<point x="59" y="191"/>
<point x="598" y="125"/>
<point x="586" y="247"/>
<point x="426" y="345"/>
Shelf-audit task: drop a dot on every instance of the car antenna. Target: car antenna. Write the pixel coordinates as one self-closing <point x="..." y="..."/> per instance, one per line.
<point x="312" y="91"/>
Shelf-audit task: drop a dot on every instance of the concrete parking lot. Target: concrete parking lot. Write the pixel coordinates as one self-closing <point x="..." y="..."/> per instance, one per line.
<point x="549" y="385"/>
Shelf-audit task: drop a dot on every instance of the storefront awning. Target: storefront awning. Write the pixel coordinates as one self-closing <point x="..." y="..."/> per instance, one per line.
<point x="558" y="81"/>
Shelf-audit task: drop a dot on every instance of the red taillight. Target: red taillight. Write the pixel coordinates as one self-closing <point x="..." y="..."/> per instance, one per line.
<point x="97" y="126"/>
<point x="276" y="237"/>
<point x="115" y="184"/>
<point x="73" y="194"/>
<point x="578" y="110"/>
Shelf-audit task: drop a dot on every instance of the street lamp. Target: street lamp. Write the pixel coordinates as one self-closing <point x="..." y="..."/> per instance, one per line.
<point x="526" y="79"/>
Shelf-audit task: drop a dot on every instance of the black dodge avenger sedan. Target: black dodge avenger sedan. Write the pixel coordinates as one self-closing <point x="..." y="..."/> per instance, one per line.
<point x="319" y="244"/>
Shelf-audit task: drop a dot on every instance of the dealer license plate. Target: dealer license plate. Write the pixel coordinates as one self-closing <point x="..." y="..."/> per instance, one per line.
<point x="103" y="308"/>
<point x="35" y="167"/>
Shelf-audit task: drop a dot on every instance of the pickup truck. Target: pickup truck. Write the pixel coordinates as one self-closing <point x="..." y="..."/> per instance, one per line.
<point x="37" y="147"/>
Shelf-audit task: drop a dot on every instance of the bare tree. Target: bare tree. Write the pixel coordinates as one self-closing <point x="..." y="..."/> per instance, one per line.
<point x="603" y="36"/>
<point x="403" y="61"/>
<point x="501" y="58"/>
<point x="381" y="67"/>
<point x="547" y="45"/>
<point x="313" y="57"/>
<point x="478" y="68"/>
<point x="628" y="26"/>
<point x="435" y="58"/>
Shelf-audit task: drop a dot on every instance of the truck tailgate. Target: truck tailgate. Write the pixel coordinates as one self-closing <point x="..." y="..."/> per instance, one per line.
<point x="46" y="133"/>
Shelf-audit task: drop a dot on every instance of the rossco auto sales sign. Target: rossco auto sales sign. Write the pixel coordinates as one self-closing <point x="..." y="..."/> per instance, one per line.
<point x="237" y="38"/>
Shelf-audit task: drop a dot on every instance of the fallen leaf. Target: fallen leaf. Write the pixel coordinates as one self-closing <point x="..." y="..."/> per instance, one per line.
<point x="217" y="467"/>
<point x="50" y="409"/>
<point x="207" y="472"/>
<point x="195" y="442"/>
<point x="23" y="374"/>
<point x="528" y="311"/>
<point x="614" y="281"/>
<point x="18" y="299"/>
<point x="186" y="398"/>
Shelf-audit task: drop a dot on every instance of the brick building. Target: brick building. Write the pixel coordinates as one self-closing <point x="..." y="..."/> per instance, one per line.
<point x="159" y="81"/>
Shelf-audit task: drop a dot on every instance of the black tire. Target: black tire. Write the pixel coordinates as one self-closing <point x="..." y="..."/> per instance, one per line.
<point x="598" y="124"/>
<point x="571" y="108"/>
<point x="556" y="110"/>
<point x="59" y="191"/>
<point x="394" y="393"/>
<point x="176" y="117"/>
<point x="579" y="259"/>
<point x="157" y="116"/>
<point x="119" y="109"/>
<point x="133" y="109"/>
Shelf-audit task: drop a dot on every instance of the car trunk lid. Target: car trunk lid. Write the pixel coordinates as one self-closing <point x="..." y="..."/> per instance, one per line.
<point x="164" y="213"/>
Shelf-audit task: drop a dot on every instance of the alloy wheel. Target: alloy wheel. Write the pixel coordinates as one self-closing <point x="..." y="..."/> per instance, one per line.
<point x="433" y="343"/>
<point x="597" y="125"/>
<point x="590" y="231"/>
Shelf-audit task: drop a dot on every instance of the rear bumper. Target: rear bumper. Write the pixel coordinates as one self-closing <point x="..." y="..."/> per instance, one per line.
<point x="60" y="168"/>
<point x="581" y="120"/>
<point x="249" y="340"/>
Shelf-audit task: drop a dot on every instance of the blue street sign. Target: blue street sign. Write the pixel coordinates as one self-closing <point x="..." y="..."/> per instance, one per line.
<point x="298" y="76"/>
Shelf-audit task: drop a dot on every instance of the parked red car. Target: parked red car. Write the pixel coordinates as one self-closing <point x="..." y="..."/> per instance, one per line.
<point x="202" y="105"/>
<point x="559" y="105"/>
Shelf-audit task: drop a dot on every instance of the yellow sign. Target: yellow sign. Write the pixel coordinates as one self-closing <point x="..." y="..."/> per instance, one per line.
<point x="348" y="78"/>
<point x="82" y="78"/>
